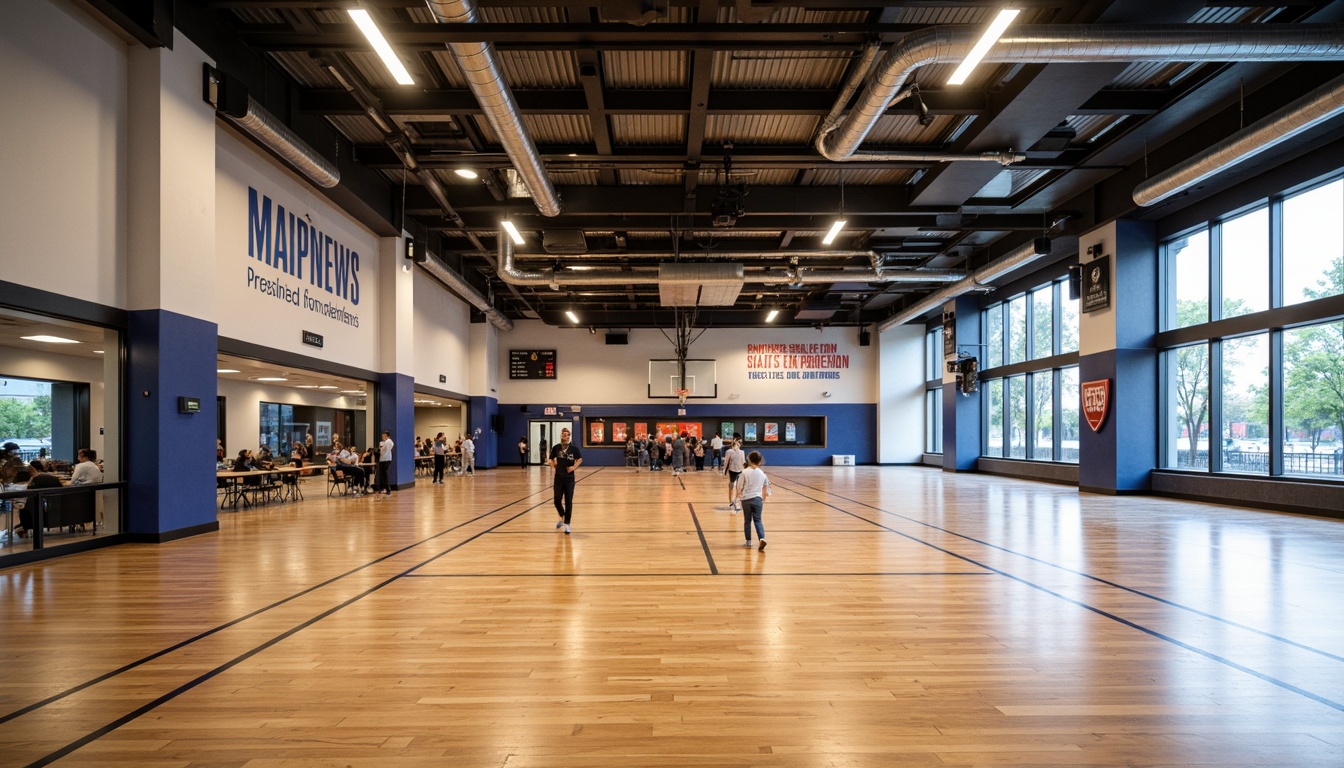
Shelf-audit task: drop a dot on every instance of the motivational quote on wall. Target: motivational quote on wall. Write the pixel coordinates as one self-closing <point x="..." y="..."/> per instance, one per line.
<point x="795" y="361"/>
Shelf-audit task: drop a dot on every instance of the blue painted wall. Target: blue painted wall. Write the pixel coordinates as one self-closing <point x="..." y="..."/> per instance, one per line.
<point x="961" y="413"/>
<point x="851" y="428"/>
<point x="396" y="414"/>
<point x="170" y="456"/>
<point x="481" y="411"/>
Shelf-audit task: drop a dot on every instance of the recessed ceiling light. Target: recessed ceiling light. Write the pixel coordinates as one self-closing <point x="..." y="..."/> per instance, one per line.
<point x="97" y="351"/>
<point x="466" y="173"/>
<point x="352" y="391"/>
<point x="305" y="386"/>
<point x="328" y="386"/>
<point x="49" y="339"/>
<point x="228" y="370"/>
<point x="270" y="378"/>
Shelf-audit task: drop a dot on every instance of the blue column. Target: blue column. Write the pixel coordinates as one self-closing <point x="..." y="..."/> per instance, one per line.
<point x="1120" y="457"/>
<point x="396" y="414"/>
<point x="961" y="413"/>
<point x="170" y="456"/>
<point x="481" y="411"/>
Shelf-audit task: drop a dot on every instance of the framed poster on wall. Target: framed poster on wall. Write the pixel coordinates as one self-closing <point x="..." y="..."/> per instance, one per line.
<point x="749" y="432"/>
<point x="772" y="432"/>
<point x="790" y="432"/>
<point x="726" y="430"/>
<point x="666" y="429"/>
<point x="691" y="428"/>
<point x="597" y="432"/>
<point x="618" y="432"/>
<point x="641" y="431"/>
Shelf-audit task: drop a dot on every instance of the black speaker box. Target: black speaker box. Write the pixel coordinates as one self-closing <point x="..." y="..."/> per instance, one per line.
<point x="864" y="337"/>
<point x="497" y="423"/>
<point x="618" y="338"/>
<point x="1075" y="282"/>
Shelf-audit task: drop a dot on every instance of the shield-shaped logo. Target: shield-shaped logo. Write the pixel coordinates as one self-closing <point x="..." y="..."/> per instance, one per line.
<point x="1096" y="402"/>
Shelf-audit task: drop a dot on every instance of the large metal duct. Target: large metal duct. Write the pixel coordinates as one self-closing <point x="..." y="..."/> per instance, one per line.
<point x="486" y="79"/>
<point x="461" y="287"/>
<point x="1023" y="256"/>
<point x="1076" y="44"/>
<point x="277" y="137"/>
<point x="509" y="273"/>
<point x="1307" y="112"/>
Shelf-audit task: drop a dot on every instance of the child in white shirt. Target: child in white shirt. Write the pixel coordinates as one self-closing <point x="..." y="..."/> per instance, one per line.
<point x="752" y="488"/>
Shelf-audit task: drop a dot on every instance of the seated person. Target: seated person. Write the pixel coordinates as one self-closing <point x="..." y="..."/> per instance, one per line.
<point x="265" y="459"/>
<point x="37" y="480"/>
<point x="348" y="463"/>
<point x="87" y="470"/>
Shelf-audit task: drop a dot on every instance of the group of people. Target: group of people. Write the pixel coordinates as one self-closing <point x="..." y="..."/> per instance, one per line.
<point x="37" y="474"/>
<point x="464" y="450"/>
<point x="679" y="451"/>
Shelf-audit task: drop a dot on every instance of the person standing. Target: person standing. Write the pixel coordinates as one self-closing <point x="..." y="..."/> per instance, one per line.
<point x="565" y="458"/>
<point x="679" y="454"/>
<point x="440" y="449"/>
<point x="733" y="463"/>
<point x="716" y="445"/>
<point x="384" y="481"/>
<point x="522" y="452"/>
<point x="469" y="456"/>
<point x="753" y="487"/>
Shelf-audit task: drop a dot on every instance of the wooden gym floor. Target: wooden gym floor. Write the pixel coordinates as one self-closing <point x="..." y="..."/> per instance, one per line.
<point x="898" y="617"/>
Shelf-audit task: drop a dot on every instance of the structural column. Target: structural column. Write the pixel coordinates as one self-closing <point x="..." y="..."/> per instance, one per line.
<point x="961" y="413"/>
<point x="1116" y="346"/>
<point x="172" y="339"/>
<point x="483" y="410"/>
<point x="395" y="411"/>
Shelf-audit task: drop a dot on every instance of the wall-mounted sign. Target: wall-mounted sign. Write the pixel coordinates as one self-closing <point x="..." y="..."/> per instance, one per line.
<point x="188" y="405"/>
<point x="312" y="339"/>
<point x="531" y="363"/>
<point x="549" y="410"/>
<point x="949" y="333"/>
<point x="795" y="361"/>
<point x="1096" y="402"/>
<point x="1097" y="284"/>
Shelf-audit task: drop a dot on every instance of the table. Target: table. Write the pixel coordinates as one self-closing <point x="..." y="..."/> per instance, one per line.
<point x="235" y="489"/>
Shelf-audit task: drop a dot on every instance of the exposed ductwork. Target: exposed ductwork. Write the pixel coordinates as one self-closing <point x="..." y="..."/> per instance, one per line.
<point x="231" y="101"/>
<point x="467" y="291"/>
<point x="1307" y="112"/>
<point x="1075" y="44"/>
<point x="1022" y="256"/>
<point x="509" y="273"/>
<point x="485" y="77"/>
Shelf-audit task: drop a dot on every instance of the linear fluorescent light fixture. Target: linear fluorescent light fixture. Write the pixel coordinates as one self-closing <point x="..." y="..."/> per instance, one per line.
<point x="228" y="370"/>
<point x="770" y="318"/>
<point x="982" y="47"/>
<point x="466" y="173"/>
<point x="835" y="230"/>
<point x="515" y="234"/>
<point x="365" y="23"/>
<point x="573" y="318"/>
<point x="49" y="339"/>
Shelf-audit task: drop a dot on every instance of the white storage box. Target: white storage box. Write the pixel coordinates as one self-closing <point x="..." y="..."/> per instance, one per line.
<point x="845" y="460"/>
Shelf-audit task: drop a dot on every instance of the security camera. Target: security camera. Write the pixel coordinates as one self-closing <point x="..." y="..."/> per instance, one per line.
<point x="826" y="394"/>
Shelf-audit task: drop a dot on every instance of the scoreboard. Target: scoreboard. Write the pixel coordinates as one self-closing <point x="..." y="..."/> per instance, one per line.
<point x="532" y="364"/>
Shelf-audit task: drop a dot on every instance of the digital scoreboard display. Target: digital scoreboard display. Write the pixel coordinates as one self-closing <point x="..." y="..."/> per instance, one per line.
<point x="532" y="364"/>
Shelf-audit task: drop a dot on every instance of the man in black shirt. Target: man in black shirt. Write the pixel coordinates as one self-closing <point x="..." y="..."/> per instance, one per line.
<point x="565" y="458"/>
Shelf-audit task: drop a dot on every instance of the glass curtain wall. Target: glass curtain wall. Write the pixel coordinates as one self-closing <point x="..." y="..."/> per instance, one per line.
<point x="1031" y="377"/>
<point x="933" y="391"/>
<point x="1253" y="352"/>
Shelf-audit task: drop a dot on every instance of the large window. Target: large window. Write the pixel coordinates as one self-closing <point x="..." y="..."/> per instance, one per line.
<point x="1031" y="378"/>
<point x="933" y="391"/>
<point x="1253" y="358"/>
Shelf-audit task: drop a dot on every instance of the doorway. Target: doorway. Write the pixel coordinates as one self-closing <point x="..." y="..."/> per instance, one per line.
<point x="541" y="435"/>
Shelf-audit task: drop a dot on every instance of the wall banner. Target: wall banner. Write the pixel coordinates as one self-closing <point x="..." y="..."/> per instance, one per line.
<point x="795" y="361"/>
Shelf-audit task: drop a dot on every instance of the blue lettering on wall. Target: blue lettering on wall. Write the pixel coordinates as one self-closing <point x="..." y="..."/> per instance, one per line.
<point x="286" y="244"/>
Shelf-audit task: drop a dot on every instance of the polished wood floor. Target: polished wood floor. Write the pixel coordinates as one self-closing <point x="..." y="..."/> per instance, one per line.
<point x="898" y="617"/>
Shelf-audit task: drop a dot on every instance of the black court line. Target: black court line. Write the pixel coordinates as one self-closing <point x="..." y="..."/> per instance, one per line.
<point x="190" y="684"/>
<point x="713" y="569"/>
<point x="684" y="575"/>
<point x="1098" y="579"/>
<point x="1119" y="619"/>
<point x="215" y="630"/>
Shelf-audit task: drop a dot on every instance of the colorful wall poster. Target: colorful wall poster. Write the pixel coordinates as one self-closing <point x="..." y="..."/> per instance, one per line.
<point x="771" y="431"/>
<point x="727" y="429"/>
<point x="691" y="428"/>
<point x="618" y="432"/>
<point x="641" y="431"/>
<point x="749" y="432"/>
<point x="666" y="429"/>
<point x="597" y="432"/>
<point x="790" y="432"/>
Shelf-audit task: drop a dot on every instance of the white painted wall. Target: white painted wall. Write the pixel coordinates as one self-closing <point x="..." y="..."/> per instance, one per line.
<point x="431" y="421"/>
<point x="589" y="371"/>
<point x="63" y="166"/>
<point x="1096" y="330"/>
<point x="441" y="323"/>
<point x="249" y="315"/>
<point x="900" y="411"/>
